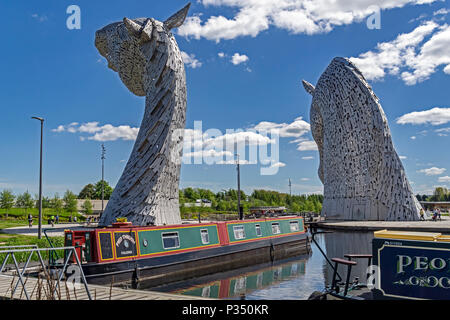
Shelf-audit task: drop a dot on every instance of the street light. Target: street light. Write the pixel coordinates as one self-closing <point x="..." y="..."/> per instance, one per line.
<point x="103" y="175"/>
<point x="241" y="214"/>
<point x="40" y="179"/>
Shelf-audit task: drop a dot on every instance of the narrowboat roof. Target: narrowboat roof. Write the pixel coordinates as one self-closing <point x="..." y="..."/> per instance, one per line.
<point x="171" y="226"/>
<point x="411" y="235"/>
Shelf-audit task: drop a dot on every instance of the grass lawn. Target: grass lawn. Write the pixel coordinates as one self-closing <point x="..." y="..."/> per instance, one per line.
<point x="15" y="239"/>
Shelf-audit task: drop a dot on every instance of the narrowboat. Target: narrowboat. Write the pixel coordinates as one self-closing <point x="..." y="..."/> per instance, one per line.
<point x="161" y="254"/>
<point x="411" y="265"/>
<point x="404" y="265"/>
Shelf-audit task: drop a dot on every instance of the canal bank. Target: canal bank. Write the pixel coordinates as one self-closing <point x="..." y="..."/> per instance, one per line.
<point x="442" y="226"/>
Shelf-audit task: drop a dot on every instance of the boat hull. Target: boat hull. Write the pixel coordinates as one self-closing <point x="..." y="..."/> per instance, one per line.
<point x="181" y="266"/>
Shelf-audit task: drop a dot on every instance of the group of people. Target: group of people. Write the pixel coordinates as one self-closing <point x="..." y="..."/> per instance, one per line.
<point x="55" y="220"/>
<point x="52" y="220"/>
<point x="435" y="217"/>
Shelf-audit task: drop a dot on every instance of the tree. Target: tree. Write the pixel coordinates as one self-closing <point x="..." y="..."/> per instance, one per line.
<point x="25" y="201"/>
<point x="107" y="190"/>
<point x="87" y="207"/>
<point x="6" y="200"/>
<point x="88" y="192"/>
<point x="440" y="193"/>
<point x="57" y="203"/>
<point x="190" y="194"/>
<point x="70" y="202"/>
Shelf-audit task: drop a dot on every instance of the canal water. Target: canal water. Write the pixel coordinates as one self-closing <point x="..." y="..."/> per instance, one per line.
<point x="291" y="279"/>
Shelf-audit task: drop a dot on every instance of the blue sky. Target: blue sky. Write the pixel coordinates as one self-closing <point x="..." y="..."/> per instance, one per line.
<point x="51" y="71"/>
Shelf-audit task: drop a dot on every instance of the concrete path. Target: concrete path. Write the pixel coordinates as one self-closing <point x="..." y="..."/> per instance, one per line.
<point x="42" y="290"/>
<point x="425" y="226"/>
<point x="56" y="231"/>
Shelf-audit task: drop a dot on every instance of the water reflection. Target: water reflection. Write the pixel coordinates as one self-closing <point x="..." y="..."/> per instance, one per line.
<point x="338" y="244"/>
<point x="290" y="279"/>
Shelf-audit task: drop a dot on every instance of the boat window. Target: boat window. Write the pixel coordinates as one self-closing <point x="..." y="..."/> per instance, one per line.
<point x="239" y="232"/>
<point x="294" y="226"/>
<point x="205" y="236"/>
<point x="258" y="230"/>
<point x="276" y="228"/>
<point x="171" y="240"/>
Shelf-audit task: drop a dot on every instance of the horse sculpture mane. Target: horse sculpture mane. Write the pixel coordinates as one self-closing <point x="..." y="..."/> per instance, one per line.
<point x="363" y="176"/>
<point x="146" y="56"/>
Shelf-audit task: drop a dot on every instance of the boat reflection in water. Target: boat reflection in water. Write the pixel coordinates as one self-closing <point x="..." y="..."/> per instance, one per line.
<point x="239" y="283"/>
<point x="289" y="279"/>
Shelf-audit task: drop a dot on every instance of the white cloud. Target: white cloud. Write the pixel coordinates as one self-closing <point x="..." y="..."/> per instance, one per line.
<point x="435" y="116"/>
<point x="277" y="165"/>
<point x="221" y="54"/>
<point x="59" y="129"/>
<point x="111" y="133"/>
<point x="190" y="61"/>
<point x="106" y="132"/>
<point x="238" y="58"/>
<point x="413" y="137"/>
<point x="296" y="16"/>
<point x="444" y="179"/>
<point x="295" y="129"/>
<point x="304" y="179"/>
<point x="307" y="158"/>
<point x="433" y="171"/>
<point x="442" y="11"/>
<point x="39" y="17"/>
<point x="443" y="132"/>
<point x="241" y="162"/>
<point x="402" y="157"/>
<point x="307" y="145"/>
<point x="90" y="127"/>
<point x="408" y="56"/>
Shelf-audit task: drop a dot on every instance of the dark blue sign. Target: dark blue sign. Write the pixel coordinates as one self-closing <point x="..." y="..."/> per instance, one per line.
<point x="412" y="269"/>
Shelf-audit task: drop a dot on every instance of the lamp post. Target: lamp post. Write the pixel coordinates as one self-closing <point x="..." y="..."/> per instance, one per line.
<point x="241" y="214"/>
<point x="40" y="179"/>
<point x="290" y="185"/>
<point x="103" y="175"/>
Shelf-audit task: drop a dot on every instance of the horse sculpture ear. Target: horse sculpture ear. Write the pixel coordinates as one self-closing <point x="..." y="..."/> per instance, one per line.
<point x="133" y="28"/>
<point x="178" y="18"/>
<point x="142" y="32"/>
<point x="308" y="87"/>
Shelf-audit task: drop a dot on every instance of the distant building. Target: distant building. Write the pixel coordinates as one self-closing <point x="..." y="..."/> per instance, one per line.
<point x="96" y="205"/>
<point x="259" y="211"/>
<point x="199" y="203"/>
<point x="431" y="205"/>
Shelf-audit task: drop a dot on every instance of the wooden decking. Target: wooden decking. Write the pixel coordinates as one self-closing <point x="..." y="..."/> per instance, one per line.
<point x="41" y="291"/>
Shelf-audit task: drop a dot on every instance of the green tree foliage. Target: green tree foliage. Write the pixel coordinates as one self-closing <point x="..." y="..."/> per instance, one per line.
<point x="6" y="200"/>
<point x="226" y="200"/>
<point x="57" y="203"/>
<point x="106" y="192"/>
<point x="70" y="201"/>
<point x="94" y="191"/>
<point x="25" y="201"/>
<point x="88" y="192"/>
<point x="87" y="207"/>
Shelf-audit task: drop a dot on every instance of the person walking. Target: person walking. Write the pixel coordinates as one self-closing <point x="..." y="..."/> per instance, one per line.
<point x="57" y="219"/>
<point x="422" y="215"/>
<point x="439" y="214"/>
<point x="30" y="220"/>
<point x="52" y="220"/>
